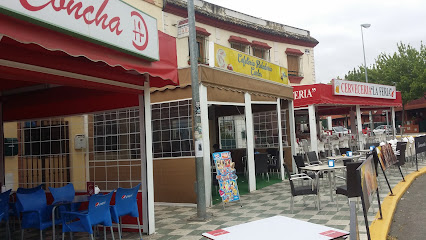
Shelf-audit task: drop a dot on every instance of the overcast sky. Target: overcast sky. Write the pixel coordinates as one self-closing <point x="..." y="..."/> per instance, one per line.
<point x="336" y="25"/>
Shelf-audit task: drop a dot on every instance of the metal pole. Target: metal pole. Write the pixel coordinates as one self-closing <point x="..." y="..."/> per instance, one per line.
<point x="199" y="162"/>
<point x="363" y="51"/>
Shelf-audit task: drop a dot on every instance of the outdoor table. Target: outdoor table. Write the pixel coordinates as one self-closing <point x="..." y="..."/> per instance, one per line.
<point x="322" y="168"/>
<point x="77" y="199"/>
<point x="277" y="227"/>
<point x="341" y="157"/>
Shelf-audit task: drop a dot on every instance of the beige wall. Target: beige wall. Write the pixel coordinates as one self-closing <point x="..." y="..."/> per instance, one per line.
<point x="150" y="7"/>
<point x="220" y="36"/>
<point x="77" y="157"/>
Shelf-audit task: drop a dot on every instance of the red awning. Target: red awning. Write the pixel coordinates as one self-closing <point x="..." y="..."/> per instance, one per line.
<point x="240" y="40"/>
<point x="322" y="94"/>
<point x="292" y="51"/>
<point x="202" y="31"/>
<point x="163" y="72"/>
<point x="260" y="45"/>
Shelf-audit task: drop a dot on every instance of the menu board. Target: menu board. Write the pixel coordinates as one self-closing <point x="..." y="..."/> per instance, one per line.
<point x="368" y="181"/>
<point x="226" y="176"/>
<point x="386" y="156"/>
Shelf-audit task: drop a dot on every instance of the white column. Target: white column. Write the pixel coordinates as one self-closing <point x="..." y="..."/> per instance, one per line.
<point x="359" y="127"/>
<point x="313" y="128"/>
<point x="280" y="139"/>
<point x="206" y="143"/>
<point x="250" y="142"/>
<point x="393" y="122"/>
<point x="147" y="159"/>
<point x="329" y="123"/>
<point x="292" y="124"/>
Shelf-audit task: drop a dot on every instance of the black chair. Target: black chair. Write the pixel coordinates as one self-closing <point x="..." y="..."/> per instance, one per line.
<point x="261" y="164"/>
<point x="274" y="163"/>
<point x="298" y="159"/>
<point x="352" y="188"/>
<point x="313" y="158"/>
<point x="311" y="189"/>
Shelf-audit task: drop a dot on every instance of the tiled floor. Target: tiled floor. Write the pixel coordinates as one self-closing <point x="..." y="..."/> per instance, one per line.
<point x="172" y="222"/>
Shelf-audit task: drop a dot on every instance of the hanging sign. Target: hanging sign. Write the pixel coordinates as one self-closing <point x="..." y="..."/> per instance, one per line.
<point x="112" y="23"/>
<point x="226" y="176"/>
<point x="240" y="62"/>
<point x="361" y="89"/>
<point x="183" y="28"/>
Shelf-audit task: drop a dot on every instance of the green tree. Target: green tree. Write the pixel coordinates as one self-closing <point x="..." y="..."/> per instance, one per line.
<point x="406" y="69"/>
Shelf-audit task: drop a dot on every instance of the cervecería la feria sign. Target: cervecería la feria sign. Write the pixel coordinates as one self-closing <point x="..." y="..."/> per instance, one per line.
<point x="361" y="89"/>
<point x="108" y="22"/>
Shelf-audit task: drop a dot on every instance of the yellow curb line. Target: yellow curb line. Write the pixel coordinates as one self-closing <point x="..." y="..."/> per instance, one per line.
<point x="379" y="228"/>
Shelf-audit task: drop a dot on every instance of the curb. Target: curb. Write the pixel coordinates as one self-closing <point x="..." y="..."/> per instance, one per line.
<point x="379" y="228"/>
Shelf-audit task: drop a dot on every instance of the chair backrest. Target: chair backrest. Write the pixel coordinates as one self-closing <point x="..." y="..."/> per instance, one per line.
<point x="4" y="204"/>
<point x="29" y="190"/>
<point x="312" y="157"/>
<point x="63" y="194"/>
<point x="273" y="152"/>
<point x="298" y="159"/>
<point x="352" y="184"/>
<point x="126" y="202"/>
<point x="369" y="144"/>
<point x="401" y="146"/>
<point x="99" y="209"/>
<point x="32" y="201"/>
<point x="261" y="162"/>
<point x="287" y="172"/>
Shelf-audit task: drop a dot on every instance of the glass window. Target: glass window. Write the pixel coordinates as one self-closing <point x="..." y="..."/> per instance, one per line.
<point x="172" y="129"/>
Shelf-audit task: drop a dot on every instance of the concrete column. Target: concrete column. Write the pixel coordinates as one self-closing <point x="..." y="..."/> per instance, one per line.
<point x="292" y="124"/>
<point x="353" y="121"/>
<point x="313" y="128"/>
<point x="393" y="122"/>
<point x="250" y="142"/>
<point x="280" y="139"/>
<point x="329" y="123"/>
<point x="206" y="143"/>
<point x="359" y="127"/>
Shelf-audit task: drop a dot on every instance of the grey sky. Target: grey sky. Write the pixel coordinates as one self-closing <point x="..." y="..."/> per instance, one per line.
<point x="336" y="25"/>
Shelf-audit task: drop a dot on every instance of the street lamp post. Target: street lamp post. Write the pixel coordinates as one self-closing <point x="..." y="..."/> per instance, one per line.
<point x="365" y="25"/>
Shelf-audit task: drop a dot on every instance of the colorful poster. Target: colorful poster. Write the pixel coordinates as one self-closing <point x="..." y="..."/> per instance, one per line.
<point x="226" y="176"/>
<point x="386" y="156"/>
<point x="233" y="60"/>
<point x="368" y="181"/>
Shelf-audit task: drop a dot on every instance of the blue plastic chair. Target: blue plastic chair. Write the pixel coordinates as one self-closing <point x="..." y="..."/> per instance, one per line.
<point x="35" y="211"/>
<point x="97" y="214"/>
<point x="4" y="210"/>
<point x="64" y="194"/>
<point x="17" y="208"/>
<point x="125" y="204"/>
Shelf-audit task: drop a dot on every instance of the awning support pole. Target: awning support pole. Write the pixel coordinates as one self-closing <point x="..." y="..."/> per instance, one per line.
<point x="250" y="143"/>
<point x="206" y="143"/>
<point x="313" y="128"/>
<point x="359" y="127"/>
<point x="292" y="125"/>
<point x="393" y="122"/>
<point x="280" y="139"/>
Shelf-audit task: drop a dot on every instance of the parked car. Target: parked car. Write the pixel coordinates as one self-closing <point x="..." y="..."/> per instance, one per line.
<point x="340" y="130"/>
<point x="382" y="129"/>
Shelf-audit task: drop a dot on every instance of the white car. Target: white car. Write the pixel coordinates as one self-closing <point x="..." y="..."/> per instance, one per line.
<point x="382" y="129"/>
<point x="339" y="130"/>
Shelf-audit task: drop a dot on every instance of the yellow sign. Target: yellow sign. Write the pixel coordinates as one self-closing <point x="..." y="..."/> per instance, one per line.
<point x="237" y="61"/>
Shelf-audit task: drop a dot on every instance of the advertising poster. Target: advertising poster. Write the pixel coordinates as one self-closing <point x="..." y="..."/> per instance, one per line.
<point x="368" y="181"/>
<point x="420" y="144"/>
<point x="226" y="176"/>
<point x="233" y="60"/>
<point x="386" y="156"/>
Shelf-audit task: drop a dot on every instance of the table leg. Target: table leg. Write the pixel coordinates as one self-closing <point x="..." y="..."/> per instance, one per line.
<point x="53" y="223"/>
<point x="334" y="183"/>
<point x="329" y="180"/>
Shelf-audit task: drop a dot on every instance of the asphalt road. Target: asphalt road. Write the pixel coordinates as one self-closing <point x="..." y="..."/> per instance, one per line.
<point x="409" y="221"/>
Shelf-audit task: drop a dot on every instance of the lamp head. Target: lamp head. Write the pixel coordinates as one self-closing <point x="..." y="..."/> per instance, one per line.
<point x="365" y="25"/>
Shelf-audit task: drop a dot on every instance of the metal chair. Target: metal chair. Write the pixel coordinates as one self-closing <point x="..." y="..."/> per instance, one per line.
<point x="313" y="158"/>
<point x="261" y="164"/>
<point x="352" y="187"/>
<point x="311" y="189"/>
<point x="98" y="214"/>
<point x="4" y="210"/>
<point x="125" y="204"/>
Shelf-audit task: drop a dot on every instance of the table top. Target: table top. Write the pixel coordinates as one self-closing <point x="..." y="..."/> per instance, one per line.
<point x="323" y="167"/>
<point x="276" y="227"/>
<point x="77" y="199"/>
<point x="341" y="157"/>
<point x="364" y="150"/>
